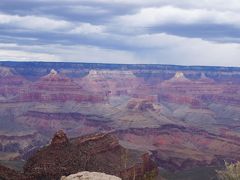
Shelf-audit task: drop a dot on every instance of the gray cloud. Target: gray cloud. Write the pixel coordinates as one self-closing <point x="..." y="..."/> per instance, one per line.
<point x="156" y="31"/>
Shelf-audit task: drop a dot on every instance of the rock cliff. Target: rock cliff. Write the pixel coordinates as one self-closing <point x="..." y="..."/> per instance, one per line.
<point x="98" y="153"/>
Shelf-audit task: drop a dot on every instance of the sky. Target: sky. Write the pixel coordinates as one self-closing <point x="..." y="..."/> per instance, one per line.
<point x="181" y="32"/>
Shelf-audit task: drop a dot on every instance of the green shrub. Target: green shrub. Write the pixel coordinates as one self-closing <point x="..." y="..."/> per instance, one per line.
<point x="231" y="172"/>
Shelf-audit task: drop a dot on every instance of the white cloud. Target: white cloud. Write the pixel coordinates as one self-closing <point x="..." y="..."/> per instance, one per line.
<point x="154" y="48"/>
<point x="92" y="54"/>
<point x="155" y="16"/>
<point x="86" y="28"/>
<point x="18" y="55"/>
<point x="57" y="52"/>
<point x="169" y="49"/>
<point x="81" y="9"/>
<point x="231" y="5"/>
<point x="37" y="23"/>
<point x="33" y="22"/>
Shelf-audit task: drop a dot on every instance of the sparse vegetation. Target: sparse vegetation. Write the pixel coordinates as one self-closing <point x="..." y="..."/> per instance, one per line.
<point x="231" y="172"/>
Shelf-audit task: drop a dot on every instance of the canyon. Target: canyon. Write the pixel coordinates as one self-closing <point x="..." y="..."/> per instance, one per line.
<point x="182" y="116"/>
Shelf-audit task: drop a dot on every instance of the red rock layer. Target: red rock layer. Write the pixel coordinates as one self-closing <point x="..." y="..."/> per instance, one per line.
<point x="178" y="147"/>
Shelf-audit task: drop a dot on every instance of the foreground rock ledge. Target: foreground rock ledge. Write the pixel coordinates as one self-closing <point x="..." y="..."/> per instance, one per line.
<point x="90" y="176"/>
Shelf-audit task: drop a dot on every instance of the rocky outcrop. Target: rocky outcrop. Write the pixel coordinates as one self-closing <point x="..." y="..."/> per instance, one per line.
<point x="111" y="82"/>
<point x="10" y="83"/>
<point x="98" y="153"/>
<point x="59" y="138"/>
<point x="6" y="72"/>
<point x="141" y="105"/>
<point x="90" y="176"/>
<point x="56" y="87"/>
<point x="179" y="76"/>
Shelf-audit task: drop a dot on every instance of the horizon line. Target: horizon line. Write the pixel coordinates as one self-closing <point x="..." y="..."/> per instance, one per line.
<point x="105" y="63"/>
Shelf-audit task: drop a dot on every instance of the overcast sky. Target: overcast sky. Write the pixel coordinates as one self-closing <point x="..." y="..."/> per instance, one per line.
<point x="184" y="32"/>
